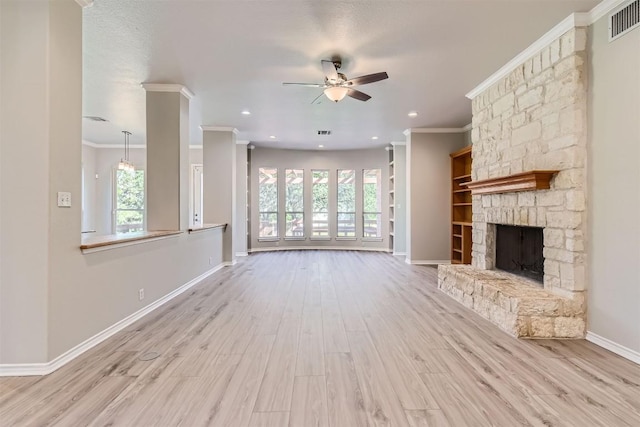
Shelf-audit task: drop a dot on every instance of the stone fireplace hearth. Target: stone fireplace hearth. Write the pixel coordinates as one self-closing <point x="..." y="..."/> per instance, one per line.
<point x="534" y="119"/>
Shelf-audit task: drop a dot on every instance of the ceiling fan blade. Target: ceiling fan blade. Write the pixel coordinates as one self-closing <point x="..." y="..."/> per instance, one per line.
<point x="305" y="84"/>
<point x="329" y="70"/>
<point x="369" y="78"/>
<point x="360" y="96"/>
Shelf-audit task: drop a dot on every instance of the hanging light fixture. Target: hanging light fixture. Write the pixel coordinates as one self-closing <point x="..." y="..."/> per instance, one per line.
<point x="336" y="93"/>
<point x="125" y="164"/>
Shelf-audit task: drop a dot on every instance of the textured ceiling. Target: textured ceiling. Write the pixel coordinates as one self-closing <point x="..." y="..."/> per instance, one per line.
<point x="234" y="55"/>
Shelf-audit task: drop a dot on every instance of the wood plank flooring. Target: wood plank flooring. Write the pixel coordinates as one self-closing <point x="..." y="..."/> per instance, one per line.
<point x="322" y="338"/>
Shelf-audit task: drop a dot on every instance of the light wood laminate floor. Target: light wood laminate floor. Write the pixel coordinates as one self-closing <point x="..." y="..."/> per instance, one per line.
<point x="320" y="338"/>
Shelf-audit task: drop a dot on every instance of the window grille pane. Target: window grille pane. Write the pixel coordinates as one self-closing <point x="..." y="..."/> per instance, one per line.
<point x="346" y="224"/>
<point x="268" y="224"/>
<point x="320" y="224"/>
<point x="268" y="202"/>
<point x="294" y="224"/>
<point x="346" y="190"/>
<point x="372" y="203"/>
<point x="372" y="225"/>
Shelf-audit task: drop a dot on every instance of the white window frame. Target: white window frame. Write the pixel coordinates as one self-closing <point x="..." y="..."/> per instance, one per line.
<point x="287" y="212"/>
<point x="275" y="237"/>
<point x="377" y="238"/>
<point x="313" y="213"/>
<point x="114" y="200"/>
<point x="353" y="213"/>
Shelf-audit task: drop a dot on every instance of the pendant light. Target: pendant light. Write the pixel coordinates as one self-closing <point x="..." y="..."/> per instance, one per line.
<point x="125" y="164"/>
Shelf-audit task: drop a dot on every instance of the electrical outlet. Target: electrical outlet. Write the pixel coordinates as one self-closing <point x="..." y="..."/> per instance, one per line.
<point x="64" y="199"/>
<point x="140" y="294"/>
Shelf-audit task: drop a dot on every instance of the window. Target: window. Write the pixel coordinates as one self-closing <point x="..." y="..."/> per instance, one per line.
<point x="294" y="203"/>
<point x="346" y="203"/>
<point x="372" y="203"/>
<point x="129" y="201"/>
<point x="320" y="197"/>
<point x="268" y="203"/>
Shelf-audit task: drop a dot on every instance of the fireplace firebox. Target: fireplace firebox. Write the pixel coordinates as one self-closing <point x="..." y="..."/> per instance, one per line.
<point x="519" y="250"/>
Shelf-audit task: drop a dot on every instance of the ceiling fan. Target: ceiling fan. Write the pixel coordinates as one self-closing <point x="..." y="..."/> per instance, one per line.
<point x="337" y="86"/>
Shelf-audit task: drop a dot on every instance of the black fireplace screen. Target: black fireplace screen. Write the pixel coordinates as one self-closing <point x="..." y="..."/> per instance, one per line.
<point x="519" y="251"/>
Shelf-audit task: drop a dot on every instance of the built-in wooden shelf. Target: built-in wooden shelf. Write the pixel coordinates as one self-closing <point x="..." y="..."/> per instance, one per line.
<point x="461" y="212"/>
<point x="526" y="181"/>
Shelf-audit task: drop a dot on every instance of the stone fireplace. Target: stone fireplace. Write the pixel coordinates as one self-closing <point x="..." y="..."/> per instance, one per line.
<point x="534" y="119"/>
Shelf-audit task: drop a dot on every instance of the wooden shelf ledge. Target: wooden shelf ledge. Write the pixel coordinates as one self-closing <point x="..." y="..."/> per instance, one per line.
<point x="526" y="181"/>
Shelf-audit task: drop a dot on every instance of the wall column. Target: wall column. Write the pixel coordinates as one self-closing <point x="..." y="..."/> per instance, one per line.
<point x="240" y="224"/>
<point x="219" y="183"/>
<point x="167" y="156"/>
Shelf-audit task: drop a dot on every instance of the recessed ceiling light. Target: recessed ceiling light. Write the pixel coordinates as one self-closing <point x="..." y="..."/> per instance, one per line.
<point x="320" y="146"/>
<point x="272" y="137"/>
<point x="413" y="114"/>
<point x="374" y="137"/>
<point x="246" y="113"/>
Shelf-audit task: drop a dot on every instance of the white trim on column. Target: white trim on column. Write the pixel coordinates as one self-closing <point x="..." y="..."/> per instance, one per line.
<point x="24" y="369"/>
<point x="616" y="348"/>
<point x="85" y="3"/>
<point x="168" y="87"/>
<point x="242" y="142"/>
<point x="394" y="143"/>
<point x="91" y="144"/>
<point x="219" y="128"/>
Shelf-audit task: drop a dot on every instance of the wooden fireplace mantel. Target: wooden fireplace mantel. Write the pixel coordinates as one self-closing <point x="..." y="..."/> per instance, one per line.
<point x="526" y="181"/>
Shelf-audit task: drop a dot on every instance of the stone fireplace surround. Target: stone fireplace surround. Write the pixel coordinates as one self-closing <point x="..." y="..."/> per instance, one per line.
<point x="532" y="119"/>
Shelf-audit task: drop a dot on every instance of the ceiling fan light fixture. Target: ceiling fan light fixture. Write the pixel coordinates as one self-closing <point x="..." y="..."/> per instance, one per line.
<point x="336" y="93"/>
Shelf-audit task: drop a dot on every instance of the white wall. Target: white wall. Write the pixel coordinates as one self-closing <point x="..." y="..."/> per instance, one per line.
<point x="53" y="297"/>
<point x="376" y="158"/>
<point x="614" y="187"/>
<point x="429" y="195"/>
<point x="24" y="202"/>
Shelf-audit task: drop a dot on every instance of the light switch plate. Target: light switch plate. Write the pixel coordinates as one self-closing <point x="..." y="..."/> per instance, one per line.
<point x="64" y="199"/>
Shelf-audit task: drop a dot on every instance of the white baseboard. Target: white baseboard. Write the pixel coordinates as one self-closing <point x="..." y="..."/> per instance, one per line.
<point x="229" y="263"/>
<point x="315" y="248"/>
<point x="616" y="348"/>
<point x="427" y="261"/>
<point x="242" y="253"/>
<point x="399" y="254"/>
<point x="30" y="369"/>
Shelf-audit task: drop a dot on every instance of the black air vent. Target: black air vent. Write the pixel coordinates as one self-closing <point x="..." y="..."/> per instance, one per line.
<point x="324" y="132"/>
<point x="624" y="20"/>
<point x="95" y="118"/>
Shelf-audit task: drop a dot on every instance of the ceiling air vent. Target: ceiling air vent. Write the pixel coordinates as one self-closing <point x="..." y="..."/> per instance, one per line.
<point x="95" y="118"/>
<point x="324" y="132"/>
<point x="624" y="20"/>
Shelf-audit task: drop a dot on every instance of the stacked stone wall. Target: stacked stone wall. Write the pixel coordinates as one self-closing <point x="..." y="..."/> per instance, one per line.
<point x="536" y="119"/>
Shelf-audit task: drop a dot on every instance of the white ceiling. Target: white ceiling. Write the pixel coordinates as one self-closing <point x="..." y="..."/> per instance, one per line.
<point x="235" y="54"/>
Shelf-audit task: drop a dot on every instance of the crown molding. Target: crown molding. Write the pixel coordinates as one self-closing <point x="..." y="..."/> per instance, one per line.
<point x="219" y="129"/>
<point x="85" y="3"/>
<point x="242" y="142"/>
<point x="90" y="144"/>
<point x="394" y="143"/>
<point x="436" y="130"/>
<point x="603" y="8"/>
<point x="168" y="87"/>
<point x="94" y="145"/>
<point x="571" y="21"/>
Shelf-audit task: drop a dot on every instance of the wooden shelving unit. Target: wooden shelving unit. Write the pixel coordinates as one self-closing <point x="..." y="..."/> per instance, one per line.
<point x="461" y="224"/>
